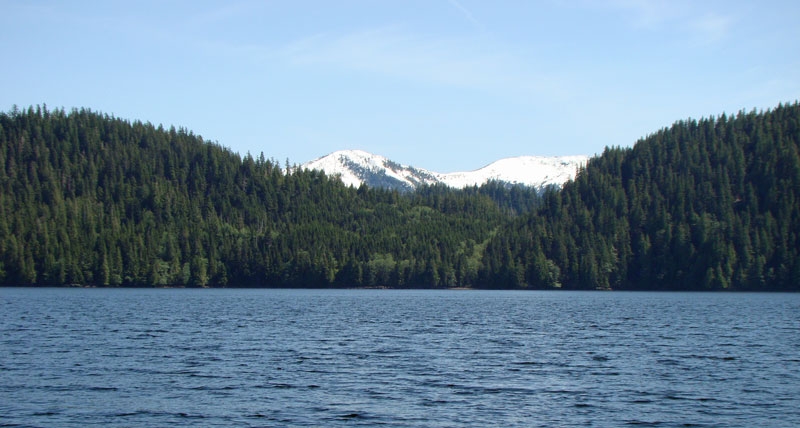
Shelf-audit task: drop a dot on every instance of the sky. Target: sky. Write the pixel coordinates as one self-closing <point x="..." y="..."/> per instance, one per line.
<point x="445" y="85"/>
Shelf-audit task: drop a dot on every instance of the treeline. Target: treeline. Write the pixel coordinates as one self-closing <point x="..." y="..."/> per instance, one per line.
<point x="712" y="204"/>
<point x="95" y="200"/>
<point x="90" y="199"/>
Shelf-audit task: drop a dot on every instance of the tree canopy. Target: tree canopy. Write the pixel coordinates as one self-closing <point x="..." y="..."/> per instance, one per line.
<point x="90" y="199"/>
<point x="703" y="205"/>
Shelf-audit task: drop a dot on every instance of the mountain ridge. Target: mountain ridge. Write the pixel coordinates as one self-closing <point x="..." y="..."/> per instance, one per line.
<point x="89" y="199"/>
<point x="357" y="167"/>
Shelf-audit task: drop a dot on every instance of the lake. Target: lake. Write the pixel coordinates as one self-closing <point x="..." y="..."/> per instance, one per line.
<point x="299" y="358"/>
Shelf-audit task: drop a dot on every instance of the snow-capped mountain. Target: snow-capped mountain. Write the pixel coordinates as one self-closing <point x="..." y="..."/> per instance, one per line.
<point x="355" y="167"/>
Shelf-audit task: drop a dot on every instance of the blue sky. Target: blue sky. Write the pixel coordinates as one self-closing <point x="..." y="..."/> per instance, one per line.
<point x="446" y="85"/>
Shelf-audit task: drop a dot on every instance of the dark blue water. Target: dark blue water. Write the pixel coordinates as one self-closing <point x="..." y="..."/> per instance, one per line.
<point x="100" y="357"/>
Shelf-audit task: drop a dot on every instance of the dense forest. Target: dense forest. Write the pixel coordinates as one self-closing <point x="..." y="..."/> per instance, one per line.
<point x="89" y="199"/>
<point x="712" y="204"/>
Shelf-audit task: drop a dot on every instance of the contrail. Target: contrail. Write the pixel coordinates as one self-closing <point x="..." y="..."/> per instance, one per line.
<point x="467" y="14"/>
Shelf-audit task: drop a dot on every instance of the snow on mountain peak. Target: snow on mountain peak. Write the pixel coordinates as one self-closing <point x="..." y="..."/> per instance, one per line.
<point x="534" y="171"/>
<point x="355" y="167"/>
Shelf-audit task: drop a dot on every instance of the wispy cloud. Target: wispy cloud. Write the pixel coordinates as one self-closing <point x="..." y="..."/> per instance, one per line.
<point x="391" y="52"/>
<point x="473" y="63"/>
<point x="648" y="14"/>
<point x="711" y="28"/>
<point x="692" y="18"/>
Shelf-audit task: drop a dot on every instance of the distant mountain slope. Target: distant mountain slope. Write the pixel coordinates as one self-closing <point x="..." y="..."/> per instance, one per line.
<point x="356" y="167"/>
<point x="534" y="171"/>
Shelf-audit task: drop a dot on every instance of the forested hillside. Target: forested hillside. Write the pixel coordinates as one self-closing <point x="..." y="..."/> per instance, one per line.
<point x="94" y="200"/>
<point x="704" y="205"/>
<point x="90" y="199"/>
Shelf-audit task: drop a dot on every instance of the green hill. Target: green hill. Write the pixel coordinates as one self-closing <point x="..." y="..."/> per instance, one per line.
<point x="712" y="204"/>
<point x="95" y="200"/>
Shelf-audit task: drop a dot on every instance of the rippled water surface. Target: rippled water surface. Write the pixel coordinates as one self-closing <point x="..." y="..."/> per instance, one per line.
<point x="142" y="357"/>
